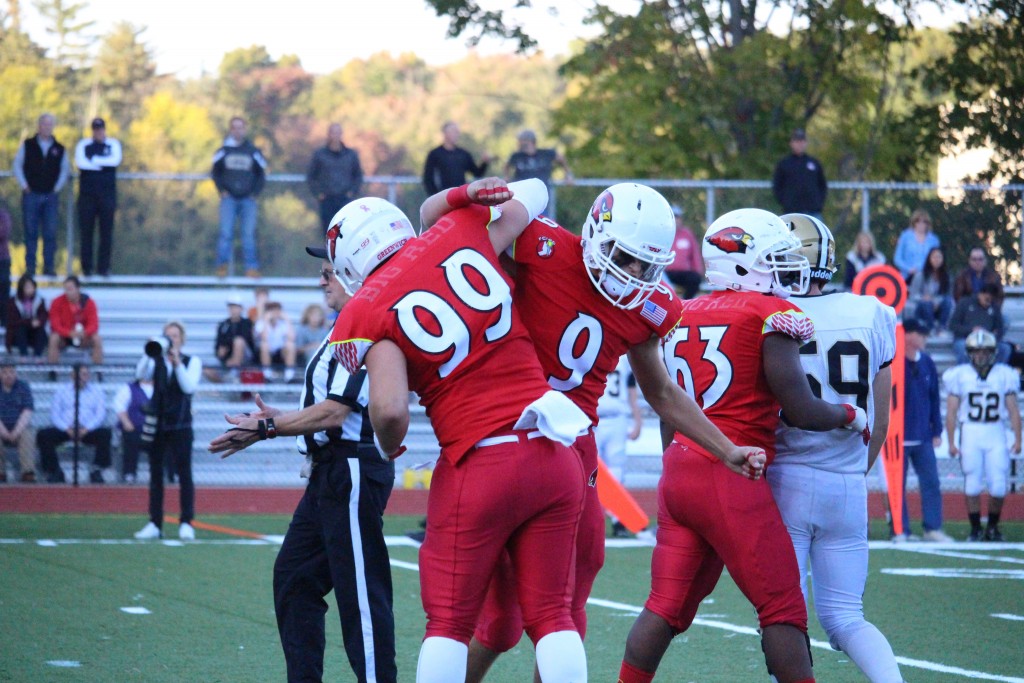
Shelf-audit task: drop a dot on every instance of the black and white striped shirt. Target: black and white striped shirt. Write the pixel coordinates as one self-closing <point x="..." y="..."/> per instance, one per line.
<point x="326" y="380"/>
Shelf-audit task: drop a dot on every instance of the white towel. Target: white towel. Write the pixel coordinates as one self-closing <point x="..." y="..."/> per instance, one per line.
<point x="557" y="418"/>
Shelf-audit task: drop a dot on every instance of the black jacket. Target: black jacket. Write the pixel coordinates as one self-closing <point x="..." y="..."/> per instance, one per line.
<point x="799" y="184"/>
<point x="239" y="170"/>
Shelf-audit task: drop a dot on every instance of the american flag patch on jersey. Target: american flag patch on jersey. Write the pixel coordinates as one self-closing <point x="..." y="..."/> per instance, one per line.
<point x="653" y="312"/>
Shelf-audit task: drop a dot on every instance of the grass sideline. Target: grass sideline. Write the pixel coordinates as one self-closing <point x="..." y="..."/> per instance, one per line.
<point x="211" y="615"/>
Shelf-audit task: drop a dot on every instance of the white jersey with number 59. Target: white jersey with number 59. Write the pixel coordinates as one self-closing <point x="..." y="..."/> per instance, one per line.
<point x="982" y="401"/>
<point x="854" y="338"/>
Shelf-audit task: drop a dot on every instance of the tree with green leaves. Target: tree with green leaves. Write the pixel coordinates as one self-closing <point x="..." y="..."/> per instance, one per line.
<point x="68" y="29"/>
<point x="124" y="73"/>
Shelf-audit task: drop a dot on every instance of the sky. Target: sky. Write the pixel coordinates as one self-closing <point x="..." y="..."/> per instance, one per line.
<point x="188" y="37"/>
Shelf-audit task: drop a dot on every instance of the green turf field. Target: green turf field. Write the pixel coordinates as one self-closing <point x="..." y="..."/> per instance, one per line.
<point x="951" y="614"/>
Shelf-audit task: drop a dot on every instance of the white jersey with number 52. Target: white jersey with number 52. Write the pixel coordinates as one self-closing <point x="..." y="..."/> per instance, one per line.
<point x="982" y="401"/>
<point x="854" y="338"/>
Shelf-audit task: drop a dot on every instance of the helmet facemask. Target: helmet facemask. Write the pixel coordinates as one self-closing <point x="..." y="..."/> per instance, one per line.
<point x="981" y="349"/>
<point x="608" y="271"/>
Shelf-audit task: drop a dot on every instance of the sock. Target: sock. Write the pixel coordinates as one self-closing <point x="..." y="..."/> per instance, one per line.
<point x="975" y="518"/>
<point x="560" y="657"/>
<point x="993" y="520"/>
<point x="865" y="645"/>
<point x="631" y="674"/>
<point x="441" y="659"/>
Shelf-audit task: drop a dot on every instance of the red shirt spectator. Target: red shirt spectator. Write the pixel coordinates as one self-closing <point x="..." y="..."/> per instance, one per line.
<point x="687" y="270"/>
<point x="74" y="321"/>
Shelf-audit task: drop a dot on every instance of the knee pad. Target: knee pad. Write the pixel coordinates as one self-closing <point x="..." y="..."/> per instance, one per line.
<point x="973" y="484"/>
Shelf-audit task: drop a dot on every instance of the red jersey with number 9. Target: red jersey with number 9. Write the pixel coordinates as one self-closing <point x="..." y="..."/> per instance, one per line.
<point x="444" y="300"/>
<point x="716" y="355"/>
<point x="579" y="334"/>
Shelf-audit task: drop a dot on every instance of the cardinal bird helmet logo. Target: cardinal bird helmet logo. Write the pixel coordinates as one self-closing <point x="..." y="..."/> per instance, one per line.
<point x="732" y="240"/>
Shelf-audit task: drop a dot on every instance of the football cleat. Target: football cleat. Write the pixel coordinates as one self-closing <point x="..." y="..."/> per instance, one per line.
<point x="993" y="534"/>
<point x="974" y="536"/>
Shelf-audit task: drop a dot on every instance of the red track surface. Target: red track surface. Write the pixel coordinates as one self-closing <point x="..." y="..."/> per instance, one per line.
<point x="47" y="498"/>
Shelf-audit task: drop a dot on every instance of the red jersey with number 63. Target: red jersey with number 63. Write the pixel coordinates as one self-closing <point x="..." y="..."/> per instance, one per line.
<point x="716" y="355"/>
<point x="579" y="334"/>
<point x="444" y="300"/>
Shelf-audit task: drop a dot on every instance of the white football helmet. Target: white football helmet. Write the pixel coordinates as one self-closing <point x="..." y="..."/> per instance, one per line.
<point x="628" y="222"/>
<point x="981" y="349"/>
<point x="816" y="244"/>
<point x="751" y="250"/>
<point x="362" y="235"/>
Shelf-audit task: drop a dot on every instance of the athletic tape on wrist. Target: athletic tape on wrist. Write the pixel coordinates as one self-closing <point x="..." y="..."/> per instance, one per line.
<point x="532" y="194"/>
<point x="458" y="197"/>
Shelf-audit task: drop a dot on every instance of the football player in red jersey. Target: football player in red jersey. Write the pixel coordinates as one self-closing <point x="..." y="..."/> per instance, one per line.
<point x="609" y="301"/>
<point x="434" y="314"/>
<point x="736" y="351"/>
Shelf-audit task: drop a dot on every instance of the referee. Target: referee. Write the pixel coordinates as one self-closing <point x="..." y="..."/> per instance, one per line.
<point x="325" y="548"/>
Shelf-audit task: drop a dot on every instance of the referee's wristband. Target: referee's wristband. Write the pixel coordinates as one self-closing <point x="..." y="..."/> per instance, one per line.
<point x="266" y="429"/>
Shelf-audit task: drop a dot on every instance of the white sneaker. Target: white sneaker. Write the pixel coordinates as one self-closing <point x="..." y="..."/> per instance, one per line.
<point x="936" y="536"/>
<point x="148" y="532"/>
<point x="186" y="532"/>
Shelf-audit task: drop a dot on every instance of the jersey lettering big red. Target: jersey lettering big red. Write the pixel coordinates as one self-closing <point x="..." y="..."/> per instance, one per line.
<point x="579" y="335"/>
<point x="716" y="356"/>
<point x="450" y="321"/>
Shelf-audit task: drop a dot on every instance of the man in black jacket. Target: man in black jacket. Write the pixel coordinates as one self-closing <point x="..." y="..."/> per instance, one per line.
<point x="97" y="159"/>
<point x="239" y="171"/>
<point x="799" y="183"/>
<point x="448" y="164"/>
<point x="41" y="167"/>
<point x="334" y="175"/>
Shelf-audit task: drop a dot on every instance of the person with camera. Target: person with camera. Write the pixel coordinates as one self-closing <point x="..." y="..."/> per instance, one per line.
<point x="167" y="430"/>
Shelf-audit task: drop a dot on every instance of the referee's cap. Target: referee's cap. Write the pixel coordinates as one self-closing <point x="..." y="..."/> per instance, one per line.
<point x="318" y="252"/>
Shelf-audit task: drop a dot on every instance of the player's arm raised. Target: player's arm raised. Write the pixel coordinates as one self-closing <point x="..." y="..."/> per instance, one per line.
<point x="389" y="396"/>
<point x="681" y="413"/>
<point x="801" y="408"/>
<point x="952" y="408"/>
<point x="490" y="191"/>
<point x="882" y="390"/>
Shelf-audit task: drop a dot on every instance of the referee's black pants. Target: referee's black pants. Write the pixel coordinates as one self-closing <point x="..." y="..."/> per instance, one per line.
<point x="322" y="550"/>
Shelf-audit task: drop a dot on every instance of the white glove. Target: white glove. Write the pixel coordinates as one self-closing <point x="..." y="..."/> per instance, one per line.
<point x="857" y="421"/>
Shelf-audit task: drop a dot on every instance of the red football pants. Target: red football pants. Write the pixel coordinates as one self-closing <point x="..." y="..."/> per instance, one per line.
<point x="525" y="498"/>
<point x="709" y="516"/>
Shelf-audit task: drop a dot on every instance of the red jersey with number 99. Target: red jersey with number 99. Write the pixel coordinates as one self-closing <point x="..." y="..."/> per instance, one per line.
<point x="716" y="356"/>
<point x="444" y="300"/>
<point x="579" y="334"/>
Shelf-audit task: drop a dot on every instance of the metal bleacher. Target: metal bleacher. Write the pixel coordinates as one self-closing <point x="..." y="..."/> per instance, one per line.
<point x="133" y="309"/>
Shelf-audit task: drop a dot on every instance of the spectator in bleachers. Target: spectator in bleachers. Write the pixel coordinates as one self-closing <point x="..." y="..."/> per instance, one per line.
<point x="914" y="244"/>
<point x="235" y="345"/>
<point x="261" y="295"/>
<point x="176" y="376"/>
<point x="979" y="312"/>
<point x="977" y="273"/>
<point x="334" y="176"/>
<point x="863" y="255"/>
<point x="922" y="424"/>
<point x="239" y="172"/>
<point x="42" y="168"/>
<point x="686" y="271"/>
<point x="16" y="407"/>
<point x="310" y="332"/>
<point x="130" y="404"/>
<point x="74" y="321"/>
<point x="5" y="260"/>
<point x="276" y="341"/>
<point x="90" y="429"/>
<point x="930" y="300"/>
<point x="26" y="319"/>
